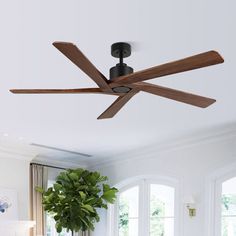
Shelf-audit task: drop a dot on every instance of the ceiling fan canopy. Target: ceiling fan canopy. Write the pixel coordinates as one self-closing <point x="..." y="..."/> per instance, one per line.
<point x="125" y="83"/>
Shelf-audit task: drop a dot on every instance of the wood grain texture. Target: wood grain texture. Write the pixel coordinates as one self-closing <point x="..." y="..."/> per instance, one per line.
<point x="112" y="110"/>
<point x="190" y="63"/>
<point x="63" y="91"/>
<point x="174" y="94"/>
<point x="72" y="52"/>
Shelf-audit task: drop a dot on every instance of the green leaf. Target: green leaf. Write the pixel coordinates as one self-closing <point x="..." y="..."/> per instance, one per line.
<point x="82" y="195"/>
<point x="89" y="208"/>
<point x="84" y="221"/>
<point x="97" y="218"/>
<point x="56" y="217"/>
<point x="39" y="189"/>
<point x="73" y="176"/>
<point x="57" y="186"/>
<point x="106" y="187"/>
<point x="84" y="210"/>
<point x="110" y="195"/>
<point x="63" y="177"/>
<point x="48" y="192"/>
<point x="58" y="227"/>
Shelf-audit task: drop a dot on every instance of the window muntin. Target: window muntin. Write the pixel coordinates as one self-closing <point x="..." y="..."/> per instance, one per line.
<point x="151" y="210"/>
<point x="228" y="208"/>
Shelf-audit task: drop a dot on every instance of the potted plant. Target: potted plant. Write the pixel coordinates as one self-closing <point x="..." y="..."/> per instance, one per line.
<point x="75" y="197"/>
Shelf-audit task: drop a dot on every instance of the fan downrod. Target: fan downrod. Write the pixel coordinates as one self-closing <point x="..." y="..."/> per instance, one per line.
<point x="120" y="50"/>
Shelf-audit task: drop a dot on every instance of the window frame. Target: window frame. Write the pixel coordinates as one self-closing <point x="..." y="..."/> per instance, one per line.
<point x="144" y="183"/>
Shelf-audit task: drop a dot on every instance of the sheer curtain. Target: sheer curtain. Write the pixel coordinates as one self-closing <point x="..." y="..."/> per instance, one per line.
<point x="38" y="178"/>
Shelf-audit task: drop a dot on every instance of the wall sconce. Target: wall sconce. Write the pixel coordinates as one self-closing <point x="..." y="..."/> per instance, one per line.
<point x="191" y="206"/>
<point x="191" y="211"/>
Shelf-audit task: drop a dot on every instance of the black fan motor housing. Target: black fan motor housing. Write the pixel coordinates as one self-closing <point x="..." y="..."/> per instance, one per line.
<point x="120" y="70"/>
<point x="120" y="50"/>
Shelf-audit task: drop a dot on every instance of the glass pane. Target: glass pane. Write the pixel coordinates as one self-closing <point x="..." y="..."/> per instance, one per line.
<point x="228" y="206"/>
<point x="161" y="226"/>
<point x="128" y="212"/>
<point x="162" y="201"/>
<point x="229" y="197"/>
<point x="131" y="229"/>
<point x="228" y="226"/>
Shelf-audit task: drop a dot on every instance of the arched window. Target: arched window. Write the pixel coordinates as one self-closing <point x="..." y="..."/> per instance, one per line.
<point x="145" y="208"/>
<point x="228" y="208"/>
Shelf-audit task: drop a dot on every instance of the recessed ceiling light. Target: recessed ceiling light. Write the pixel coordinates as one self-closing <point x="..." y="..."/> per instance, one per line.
<point x="5" y="135"/>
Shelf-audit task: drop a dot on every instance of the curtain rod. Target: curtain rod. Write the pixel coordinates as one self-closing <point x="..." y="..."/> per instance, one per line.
<point x="55" y="167"/>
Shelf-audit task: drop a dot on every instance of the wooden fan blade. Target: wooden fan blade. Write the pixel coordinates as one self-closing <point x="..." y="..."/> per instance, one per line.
<point x="117" y="105"/>
<point x="176" y="95"/>
<point x="190" y="63"/>
<point x="78" y="58"/>
<point x="62" y="91"/>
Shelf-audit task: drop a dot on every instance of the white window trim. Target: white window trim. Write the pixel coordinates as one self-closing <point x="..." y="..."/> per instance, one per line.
<point x="213" y="198"/>
<point x="144" y="182"/>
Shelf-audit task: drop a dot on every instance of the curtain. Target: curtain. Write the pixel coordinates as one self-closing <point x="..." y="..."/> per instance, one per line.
<point x="38" y="178"/>
<point x="84" y="234"/>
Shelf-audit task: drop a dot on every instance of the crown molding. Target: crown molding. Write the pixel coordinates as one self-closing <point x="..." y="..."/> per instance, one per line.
<point x="14" y="154"/>
<point x="187" y="141"/>
<point x="31" y="155"/>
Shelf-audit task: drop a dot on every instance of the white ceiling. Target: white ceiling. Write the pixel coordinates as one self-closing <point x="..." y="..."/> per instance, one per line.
<point x="160" y="31"/>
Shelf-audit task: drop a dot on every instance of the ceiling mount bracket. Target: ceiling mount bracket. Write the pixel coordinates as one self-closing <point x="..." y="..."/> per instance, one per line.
<point x="120" y="49"/>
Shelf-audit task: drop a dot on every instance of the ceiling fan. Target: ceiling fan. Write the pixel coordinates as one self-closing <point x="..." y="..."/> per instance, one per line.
<point x="125" y="83"/>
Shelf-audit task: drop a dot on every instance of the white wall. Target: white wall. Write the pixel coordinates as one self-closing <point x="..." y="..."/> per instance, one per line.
<point x="191" y="165"/>
<point x="14" y="174"/>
